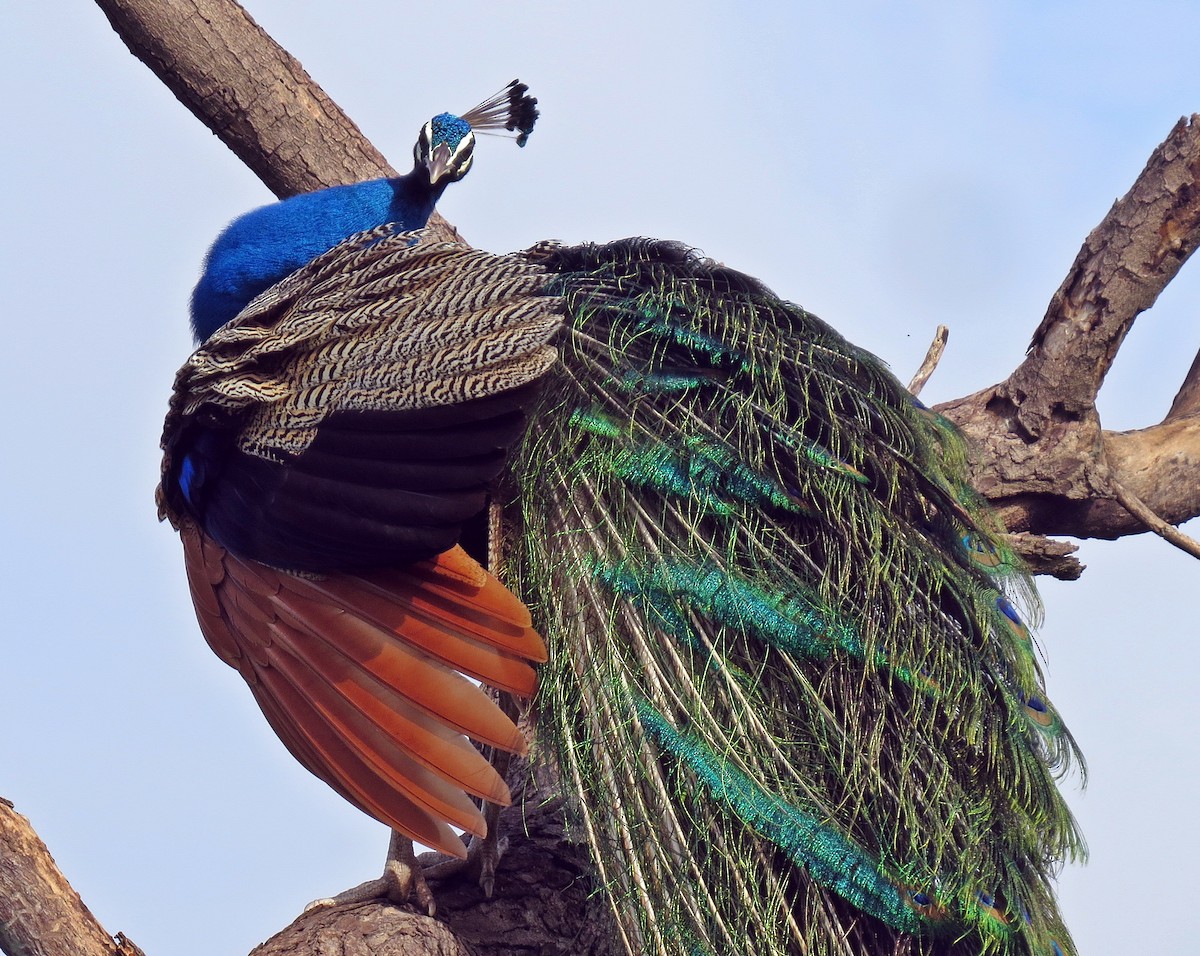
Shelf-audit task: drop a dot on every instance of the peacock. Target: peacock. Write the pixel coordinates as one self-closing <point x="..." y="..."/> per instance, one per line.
<point x="779" y="652"/>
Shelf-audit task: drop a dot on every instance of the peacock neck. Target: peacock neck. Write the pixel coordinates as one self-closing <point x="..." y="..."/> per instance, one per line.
<point x="258" y="249"/>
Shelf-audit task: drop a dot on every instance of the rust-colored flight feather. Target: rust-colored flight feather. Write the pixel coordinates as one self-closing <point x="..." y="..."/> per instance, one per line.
<point x="359" y="676"/>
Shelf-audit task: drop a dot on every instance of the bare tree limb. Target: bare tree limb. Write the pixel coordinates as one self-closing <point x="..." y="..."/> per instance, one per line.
<point x="937" y="349"/>
<point x="1123" y="266"/>
<point x="252" y="93"/>
<point x="40" y="913"/>
<point x="1039" y="452"/>
<point x="1187" y="400"/>
<point x="1157" y="465"/>
<point x="1136" y="507"/>
<point x="1049" y="555"/>
<point x="364" y="929"/>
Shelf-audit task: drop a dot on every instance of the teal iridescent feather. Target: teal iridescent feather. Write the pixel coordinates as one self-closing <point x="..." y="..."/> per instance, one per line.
<point x="789" y="683"/>
<point x="827" y="857"/>
<point x="708" y="472"/>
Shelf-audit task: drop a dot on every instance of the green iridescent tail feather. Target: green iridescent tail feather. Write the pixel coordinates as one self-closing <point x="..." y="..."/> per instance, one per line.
<point x="789" y="681"/>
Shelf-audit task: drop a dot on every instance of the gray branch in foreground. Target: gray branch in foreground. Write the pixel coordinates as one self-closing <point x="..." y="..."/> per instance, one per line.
<point x="40" y="912"/>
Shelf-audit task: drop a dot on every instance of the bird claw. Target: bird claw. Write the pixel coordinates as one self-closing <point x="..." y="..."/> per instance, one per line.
<point x="403" y="881"/>
<point x="483" y="853"/>
<point x="483" y="857"/>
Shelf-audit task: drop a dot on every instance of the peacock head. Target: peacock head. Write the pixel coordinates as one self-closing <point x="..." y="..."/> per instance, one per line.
<point x="446" y="147"/>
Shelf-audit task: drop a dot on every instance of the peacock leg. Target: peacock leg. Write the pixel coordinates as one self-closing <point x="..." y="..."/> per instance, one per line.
<point x="483" y="853"/>
<point x="402" y="881"/>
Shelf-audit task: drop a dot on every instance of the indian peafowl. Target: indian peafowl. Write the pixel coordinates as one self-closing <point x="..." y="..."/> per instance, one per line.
<point x="788" y="686"/>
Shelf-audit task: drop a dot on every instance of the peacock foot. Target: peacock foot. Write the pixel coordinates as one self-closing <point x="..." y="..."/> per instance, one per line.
<point x="483" y="857"/>
<point x="402" y="881"/>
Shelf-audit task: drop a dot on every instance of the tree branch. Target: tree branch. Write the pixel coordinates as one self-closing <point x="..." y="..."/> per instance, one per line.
<point x="1136" y="507"/>
<point x="252" y="93"/>
<point x="1039" y="452"/>
<point x="1157" y="465"/>
<point x="40" y="913"/>
<point x="1122" y="268"/>
<point x="1187" y="400"/>
<point x="937" y="348"/>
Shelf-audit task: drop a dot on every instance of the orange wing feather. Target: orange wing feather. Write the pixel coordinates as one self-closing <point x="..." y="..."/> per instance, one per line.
<point x="359" y="675"/>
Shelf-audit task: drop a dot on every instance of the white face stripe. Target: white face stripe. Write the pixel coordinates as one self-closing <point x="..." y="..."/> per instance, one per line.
<point x="458" y="161"/>
<point x="466" y="146"/>
<point x="423" y="145"/>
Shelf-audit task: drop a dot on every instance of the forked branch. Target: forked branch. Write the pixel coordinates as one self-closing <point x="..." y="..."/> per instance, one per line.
<point x="1040" y="453"/>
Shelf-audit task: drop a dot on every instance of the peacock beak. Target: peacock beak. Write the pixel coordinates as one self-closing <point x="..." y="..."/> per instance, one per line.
<point x="438" y="163"/>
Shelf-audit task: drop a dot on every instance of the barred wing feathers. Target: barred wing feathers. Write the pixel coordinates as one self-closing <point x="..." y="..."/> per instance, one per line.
<point x="356" y="413"/>
<point x="361" y="681"/>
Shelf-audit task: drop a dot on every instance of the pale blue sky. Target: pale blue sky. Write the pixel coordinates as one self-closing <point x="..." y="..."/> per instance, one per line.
<point x="888" y="165"/>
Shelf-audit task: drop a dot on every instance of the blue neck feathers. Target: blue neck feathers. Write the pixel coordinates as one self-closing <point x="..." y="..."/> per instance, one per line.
<point x="258" y="249"/>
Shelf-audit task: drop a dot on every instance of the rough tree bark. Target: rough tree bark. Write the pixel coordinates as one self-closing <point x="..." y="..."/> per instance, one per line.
<point x="40" y="914"/>
<point x="1040" y="453"/>
<point x="252" y="93"/>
